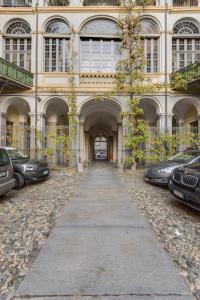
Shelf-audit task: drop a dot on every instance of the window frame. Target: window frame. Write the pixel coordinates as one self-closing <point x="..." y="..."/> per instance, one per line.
<point x="176" y="42"/>
<point x="65" y="38"/>
<point x="17" y="38"/>
<point x="102" y="38"/>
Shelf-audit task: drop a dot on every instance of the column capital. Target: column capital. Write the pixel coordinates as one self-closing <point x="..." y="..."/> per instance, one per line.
<point x="3" y="115"/>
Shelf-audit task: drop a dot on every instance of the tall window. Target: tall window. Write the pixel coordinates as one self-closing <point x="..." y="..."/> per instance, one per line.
<point x="150" y="36"/>
<point x="100" y="46"/>
<point x="185" y="44"/>
<point x="56" y="46"/>
<point x="18" y="44"/>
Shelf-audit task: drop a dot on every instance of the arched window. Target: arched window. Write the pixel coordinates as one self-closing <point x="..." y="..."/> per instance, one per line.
<point x="56" y="40"/>
<point x="100" y="46"/>
<point x="150" y="35"/>
<point x="185" y="3"/>
<point x="185" y="44"/>
<point x="18" y="44"/>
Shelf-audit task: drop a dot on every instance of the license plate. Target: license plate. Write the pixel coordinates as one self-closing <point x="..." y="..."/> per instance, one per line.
<point x="178" y="194"/>
<point x="45" y="172"/>
<point x="3" y="174"/>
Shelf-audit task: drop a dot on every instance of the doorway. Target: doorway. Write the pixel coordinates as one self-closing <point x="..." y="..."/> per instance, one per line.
<point x="100" y="148"/>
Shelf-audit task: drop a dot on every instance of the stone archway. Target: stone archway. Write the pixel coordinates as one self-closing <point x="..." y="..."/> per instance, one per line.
<point x="17" y="124"/>
<point x="185" y="114"/>
<point x="101" y="118"/>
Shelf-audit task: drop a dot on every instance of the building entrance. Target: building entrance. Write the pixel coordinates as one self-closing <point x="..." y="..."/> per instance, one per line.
<point x="101" y="131"/>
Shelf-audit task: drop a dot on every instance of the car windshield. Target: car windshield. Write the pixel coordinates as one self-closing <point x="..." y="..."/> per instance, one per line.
<point x="184" y="156"/>
<point x="4" y="159"/>
<point x="15" y="154"/>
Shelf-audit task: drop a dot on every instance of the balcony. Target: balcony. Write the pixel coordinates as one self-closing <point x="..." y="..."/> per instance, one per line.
<point x="186" y="78"/>
<point x="97" y="79"/>
<point x="184" y="3"/>
<point x="13" y="75"/>
<point x="16" y="3"/>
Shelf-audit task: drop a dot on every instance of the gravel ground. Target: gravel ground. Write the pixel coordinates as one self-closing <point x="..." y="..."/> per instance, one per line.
<point x="26" y="219"/>
<point x="177" y="226"/>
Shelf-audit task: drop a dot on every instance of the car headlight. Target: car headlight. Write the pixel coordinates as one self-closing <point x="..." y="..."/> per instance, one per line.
<point x="29" y="168"/>
<point x="165" y="170"/>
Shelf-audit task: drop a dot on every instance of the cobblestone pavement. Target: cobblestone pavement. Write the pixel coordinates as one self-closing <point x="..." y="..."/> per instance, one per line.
<point x="26" y="219"/>
<point x="177" y="226"/>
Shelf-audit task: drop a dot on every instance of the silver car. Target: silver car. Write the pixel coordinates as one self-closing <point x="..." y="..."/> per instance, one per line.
<point x="159" y="173"/>
<point x="7" y="181"/>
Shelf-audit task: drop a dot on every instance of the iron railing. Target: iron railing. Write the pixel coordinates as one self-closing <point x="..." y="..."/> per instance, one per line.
<point x="184" y="3"/>
<point x="14" y="73"/>
<point x="188" y="74"/>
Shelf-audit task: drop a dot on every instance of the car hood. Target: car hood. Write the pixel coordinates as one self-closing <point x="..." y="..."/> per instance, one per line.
<point x="165" y="164"/>
<point x="29" y="161"/>
<point x="193" y="169"/>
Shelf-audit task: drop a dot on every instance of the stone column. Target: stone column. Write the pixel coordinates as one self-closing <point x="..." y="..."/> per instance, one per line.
<point x="161" y="123"/>
<point x="42" y="134"/>
<point x="169" y="123"/>
<point x="86" y="147"/>
<point x="120" y="145"/>
<point x="32" y="135"/>
<point x="3" y="118"/>
<point x="34" y="132"/>
<point x="198" y="118"/>
<point x="51" y="131"/>
<point x="1" y="43"/>
<point x="180" y="133"/>
<point x="115" y="147"/>
<point x="81" y="147"/>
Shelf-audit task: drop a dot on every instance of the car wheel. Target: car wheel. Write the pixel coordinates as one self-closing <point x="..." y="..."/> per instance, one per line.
<point x="19" y="180"/>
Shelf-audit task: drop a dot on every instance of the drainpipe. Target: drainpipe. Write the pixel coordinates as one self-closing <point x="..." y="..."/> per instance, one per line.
<point x="36" y="79"/>
<point x="166" y="69"/>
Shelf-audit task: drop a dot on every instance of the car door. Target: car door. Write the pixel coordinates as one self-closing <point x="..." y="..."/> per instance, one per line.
<point x="6" y="171"/>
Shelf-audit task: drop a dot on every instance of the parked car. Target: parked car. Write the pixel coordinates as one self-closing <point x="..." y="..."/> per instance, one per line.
<point x="7" y="181"/>
<point x="184" y="183"/>
<point x="101" y="155"/>
<point x="159" y="173"/>
<point x="27" y="170"/>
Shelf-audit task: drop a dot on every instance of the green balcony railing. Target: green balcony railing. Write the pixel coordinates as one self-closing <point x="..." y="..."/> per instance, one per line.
<point x="14" y="73"/>
<point x="182" y="78"/>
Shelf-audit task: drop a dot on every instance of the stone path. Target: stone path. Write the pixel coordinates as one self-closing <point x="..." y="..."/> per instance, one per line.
<point x="102" y="248"/>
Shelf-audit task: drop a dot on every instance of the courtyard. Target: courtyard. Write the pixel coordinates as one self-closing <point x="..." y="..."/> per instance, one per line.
<point x="28" y="216"/>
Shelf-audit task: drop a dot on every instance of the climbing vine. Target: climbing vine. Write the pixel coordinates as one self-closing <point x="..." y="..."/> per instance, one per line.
<point x="130" y="80"/>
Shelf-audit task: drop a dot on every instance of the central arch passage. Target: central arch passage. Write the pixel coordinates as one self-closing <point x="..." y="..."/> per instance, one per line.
<point x="101" y="131"/>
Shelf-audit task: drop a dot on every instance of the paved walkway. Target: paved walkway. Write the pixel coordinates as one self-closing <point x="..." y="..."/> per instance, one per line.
<point x="102" y="248"/>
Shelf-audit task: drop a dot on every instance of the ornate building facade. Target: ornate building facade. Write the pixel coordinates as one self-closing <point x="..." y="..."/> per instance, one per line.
<point x="39" y="37"/>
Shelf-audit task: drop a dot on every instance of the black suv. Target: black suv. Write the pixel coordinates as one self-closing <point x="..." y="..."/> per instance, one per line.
<point x="7" y="181"/>
<point x="27" y="170"/>
<point x="185" y="184"/>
